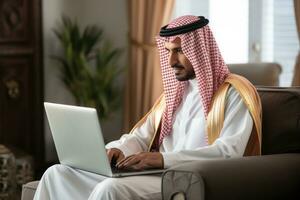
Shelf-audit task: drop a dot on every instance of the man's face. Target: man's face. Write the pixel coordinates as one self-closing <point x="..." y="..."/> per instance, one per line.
<point x="182" y="67"/>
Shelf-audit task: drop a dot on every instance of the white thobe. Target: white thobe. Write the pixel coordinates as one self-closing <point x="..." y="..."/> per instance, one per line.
<point x="187" y="142"/>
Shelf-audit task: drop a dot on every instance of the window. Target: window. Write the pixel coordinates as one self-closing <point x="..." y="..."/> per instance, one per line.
<point x="279" y="39"/>
<point x="231" y="32"/>
<point x="250" y="31"/>
<point x="230" y="28"/>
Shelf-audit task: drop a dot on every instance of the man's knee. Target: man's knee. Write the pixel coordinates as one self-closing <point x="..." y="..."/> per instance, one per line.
<point x="55" y="169"/>
<point x="110" y="188"/>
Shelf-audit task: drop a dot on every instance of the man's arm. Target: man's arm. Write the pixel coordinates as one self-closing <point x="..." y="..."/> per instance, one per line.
<point x="130" y="151"/>
<point x="233" y="138"/>
<point x="137" y="141"/>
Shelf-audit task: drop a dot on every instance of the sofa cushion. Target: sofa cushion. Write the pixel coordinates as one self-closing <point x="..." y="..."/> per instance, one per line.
<point x="28" y="190"/>
<point x="281" y="119"/>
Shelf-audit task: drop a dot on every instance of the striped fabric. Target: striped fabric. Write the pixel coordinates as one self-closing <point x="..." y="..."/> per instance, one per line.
<point x="201" y="49"/>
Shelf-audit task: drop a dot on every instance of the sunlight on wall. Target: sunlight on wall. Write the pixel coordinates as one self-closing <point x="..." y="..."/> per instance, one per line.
<point x="190" y="7"/>
<point x="230" y="31"/>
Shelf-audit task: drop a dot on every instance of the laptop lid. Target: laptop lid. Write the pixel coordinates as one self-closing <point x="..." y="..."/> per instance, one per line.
<point x="79" y="141"/>
<point x="77" y="137"/>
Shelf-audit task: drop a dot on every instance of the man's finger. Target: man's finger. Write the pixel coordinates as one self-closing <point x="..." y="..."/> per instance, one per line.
<point x="133" y="161"/>
<point x="110" y="155"/>
<point x="121" y="157"/>
<point x="137" y="167"/>
<point x="123" y="160"/>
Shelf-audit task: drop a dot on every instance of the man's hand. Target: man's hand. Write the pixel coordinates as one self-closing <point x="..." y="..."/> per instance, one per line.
<point x="141" y="161"/>
<point x="115" y="155"/>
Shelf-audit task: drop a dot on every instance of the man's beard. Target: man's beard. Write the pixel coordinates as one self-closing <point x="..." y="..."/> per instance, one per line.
<point x="182" y="74"/>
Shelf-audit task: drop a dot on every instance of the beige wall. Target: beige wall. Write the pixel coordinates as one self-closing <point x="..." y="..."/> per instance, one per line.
<point x="112" y="17"/>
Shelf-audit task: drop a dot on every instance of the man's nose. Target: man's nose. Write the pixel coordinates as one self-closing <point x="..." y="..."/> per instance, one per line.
<point x="173" y="59"/>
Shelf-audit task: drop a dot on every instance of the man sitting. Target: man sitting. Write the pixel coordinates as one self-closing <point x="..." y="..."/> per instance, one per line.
<point x="204" y="113"/>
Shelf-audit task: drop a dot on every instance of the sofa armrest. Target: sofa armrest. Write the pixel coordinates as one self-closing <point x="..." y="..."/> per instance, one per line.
<point x="28" y="190"/>
<point x="255" y="177"/>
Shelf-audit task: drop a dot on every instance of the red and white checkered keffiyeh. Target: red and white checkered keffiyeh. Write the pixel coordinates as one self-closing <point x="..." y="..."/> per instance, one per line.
<point x="200" y="47"/>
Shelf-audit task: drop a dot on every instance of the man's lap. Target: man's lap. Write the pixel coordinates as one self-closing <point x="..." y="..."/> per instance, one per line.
<point x="95" y="185"/>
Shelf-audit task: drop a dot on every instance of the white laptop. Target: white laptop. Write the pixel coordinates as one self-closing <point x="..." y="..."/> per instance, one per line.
<point x="79" y="142"/>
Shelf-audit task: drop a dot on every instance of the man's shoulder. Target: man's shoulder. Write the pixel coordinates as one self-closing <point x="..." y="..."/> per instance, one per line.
<point x="232" y="92"/>
<point x="239" y="85"/>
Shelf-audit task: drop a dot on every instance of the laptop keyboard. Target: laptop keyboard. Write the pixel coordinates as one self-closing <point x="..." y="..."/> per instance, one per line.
<point x="117" y="170"/>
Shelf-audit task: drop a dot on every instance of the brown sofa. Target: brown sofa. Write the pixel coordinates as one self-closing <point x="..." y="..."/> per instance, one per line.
<point x="274" y="175"/>
<point x="257" y="73"/>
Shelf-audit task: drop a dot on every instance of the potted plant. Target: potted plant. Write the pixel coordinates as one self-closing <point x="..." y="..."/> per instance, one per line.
<point x="88" y="67"/>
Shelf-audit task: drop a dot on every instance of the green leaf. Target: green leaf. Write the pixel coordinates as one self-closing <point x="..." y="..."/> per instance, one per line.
<point x="89" y="73"/>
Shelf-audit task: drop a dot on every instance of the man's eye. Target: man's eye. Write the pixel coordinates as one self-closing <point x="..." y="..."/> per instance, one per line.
<point x="179" y="50"/>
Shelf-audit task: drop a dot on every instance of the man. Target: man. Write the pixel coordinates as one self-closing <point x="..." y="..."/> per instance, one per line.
<point x="204" y="113"/>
